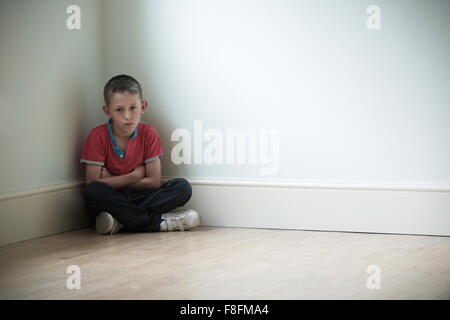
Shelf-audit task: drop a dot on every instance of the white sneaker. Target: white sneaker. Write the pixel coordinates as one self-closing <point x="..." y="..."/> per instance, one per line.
<point x="179" y="220"/>
<point x="105" y="223"/>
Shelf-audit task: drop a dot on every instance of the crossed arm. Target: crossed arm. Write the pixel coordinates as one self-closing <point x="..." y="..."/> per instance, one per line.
<point x="143" y="177"/>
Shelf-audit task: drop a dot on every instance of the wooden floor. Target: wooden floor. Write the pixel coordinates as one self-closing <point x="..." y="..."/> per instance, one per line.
<point x="227" y="263"/>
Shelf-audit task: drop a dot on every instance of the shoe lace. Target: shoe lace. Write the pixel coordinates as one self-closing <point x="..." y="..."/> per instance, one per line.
<point x="180" y="224"/>
<point x="175" y="224"/>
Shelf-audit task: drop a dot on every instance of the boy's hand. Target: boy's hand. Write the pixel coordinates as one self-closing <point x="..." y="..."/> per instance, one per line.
<point x="104" y="173"/>
<point x="139" y="171"/>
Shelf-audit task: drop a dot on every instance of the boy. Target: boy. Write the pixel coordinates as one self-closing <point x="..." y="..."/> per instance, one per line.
<point x="123" y="170"/>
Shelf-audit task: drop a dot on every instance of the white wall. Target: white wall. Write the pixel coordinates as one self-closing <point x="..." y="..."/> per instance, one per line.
<point x="351" y="104"/>
<point x="50" y="89"/>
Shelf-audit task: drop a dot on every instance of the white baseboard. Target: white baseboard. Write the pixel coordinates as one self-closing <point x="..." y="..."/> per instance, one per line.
<point x="355" y="207"/>
<point x="42" y="211"/>
<point x="403" y="209"/>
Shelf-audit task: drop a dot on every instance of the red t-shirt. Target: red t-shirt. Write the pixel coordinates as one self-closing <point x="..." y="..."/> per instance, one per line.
<point x="101" y="149"/>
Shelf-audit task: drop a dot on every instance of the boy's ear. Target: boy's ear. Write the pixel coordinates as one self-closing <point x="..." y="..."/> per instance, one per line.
<point x="106" y="111"/>
<point x="144" y="105"/>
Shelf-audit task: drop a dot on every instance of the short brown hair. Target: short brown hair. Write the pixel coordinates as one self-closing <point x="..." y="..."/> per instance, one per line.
<point x="121" y="83"/>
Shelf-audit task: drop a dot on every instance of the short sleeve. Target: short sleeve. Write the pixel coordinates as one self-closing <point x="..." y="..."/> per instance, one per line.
<point x="153" y="145"/>
<point x="94" y="151"/>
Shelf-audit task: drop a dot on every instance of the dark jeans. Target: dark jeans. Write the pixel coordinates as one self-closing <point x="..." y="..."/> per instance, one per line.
<point x="138" y="210"/>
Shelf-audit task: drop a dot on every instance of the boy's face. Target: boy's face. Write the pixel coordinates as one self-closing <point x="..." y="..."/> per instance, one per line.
<point x="125" y="108"/>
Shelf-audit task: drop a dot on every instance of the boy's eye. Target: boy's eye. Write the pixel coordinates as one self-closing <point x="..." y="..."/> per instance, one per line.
<point x="133" y="107"/>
